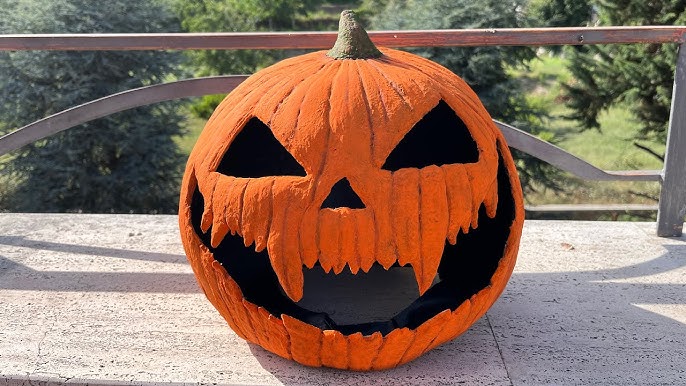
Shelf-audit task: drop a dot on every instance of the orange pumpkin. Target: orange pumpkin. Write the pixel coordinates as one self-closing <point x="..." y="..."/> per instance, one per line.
<point x="348" y="159"/>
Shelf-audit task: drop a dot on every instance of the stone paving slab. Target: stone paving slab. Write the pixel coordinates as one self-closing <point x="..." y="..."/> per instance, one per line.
<point x="110" y="300"/>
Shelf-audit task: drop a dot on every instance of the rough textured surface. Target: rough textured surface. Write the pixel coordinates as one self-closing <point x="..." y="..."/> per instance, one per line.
<point x="110" y="299"/>
<point x="320" y="124"/>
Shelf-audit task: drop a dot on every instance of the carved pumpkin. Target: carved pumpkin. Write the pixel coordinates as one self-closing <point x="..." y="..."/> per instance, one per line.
<point x="349" y="159"/>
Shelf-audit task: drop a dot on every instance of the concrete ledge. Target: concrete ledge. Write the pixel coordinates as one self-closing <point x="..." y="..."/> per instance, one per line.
<point x="110" y="300"/>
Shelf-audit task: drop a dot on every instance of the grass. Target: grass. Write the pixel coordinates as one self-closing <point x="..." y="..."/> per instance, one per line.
<point x="610" y="147"/>
<point x="194" y="126"/>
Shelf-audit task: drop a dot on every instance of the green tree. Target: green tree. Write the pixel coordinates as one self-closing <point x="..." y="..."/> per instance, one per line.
<point x="561" y="13"/>
<point x="485" y="69"/>
<point x="126" y="162"/>
<point x="639" y="75"/>
<point x="238" y="16"/>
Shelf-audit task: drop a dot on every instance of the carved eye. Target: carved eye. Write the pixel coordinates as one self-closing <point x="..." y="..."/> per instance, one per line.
<point x="439" y="138"/>
<point x="255" y="152"/>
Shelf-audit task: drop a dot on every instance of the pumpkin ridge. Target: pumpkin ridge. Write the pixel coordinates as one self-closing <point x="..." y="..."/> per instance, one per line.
<point x="296" y="82"/>
<point x="393" y="84"/>
<point x="368" y="110"/>
<point x="366" y="78"/>
<point x="326" y="120"/>
<point x="296" y="85"/>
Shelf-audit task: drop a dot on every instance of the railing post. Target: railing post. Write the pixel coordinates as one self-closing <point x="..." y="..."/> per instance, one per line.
<point x="670" y="215"/>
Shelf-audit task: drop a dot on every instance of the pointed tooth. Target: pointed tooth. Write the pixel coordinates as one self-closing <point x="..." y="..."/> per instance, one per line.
<point x="283" y="246"/>
<point x="257" y="211"/>
<point x="308" y="237"/>
<point x="424" y="280"/>
<point x="305" y="341"/>
<point x="427" y="332"/>
<point x="329" y="245"/>
<point x="384" y="252"/>
<point x="234" y="205"/>
<point x="366" y="348"/>
<point x="459" y="198"/>
<point x="491" y="200"/>
<point x="365" y="240"/>
<point x="405" y="211"/>
<point x="260" y="244"/>
<point x="287" y="269"/>
<point x="433" y="222"/>
<point x="335" y="350"/>
<point x="393" y="347"/>
<point x="456" y="324"/>
<point x="219" y="230"/>
<point x="348" y="239"/>
<point x="208" y="196"/>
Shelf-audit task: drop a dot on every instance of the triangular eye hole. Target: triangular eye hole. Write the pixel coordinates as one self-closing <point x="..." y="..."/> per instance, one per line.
<point x="439" y="138"/>
<point x="255" y="152"/>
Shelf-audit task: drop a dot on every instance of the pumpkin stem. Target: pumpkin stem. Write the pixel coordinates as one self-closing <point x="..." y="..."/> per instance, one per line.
<point x="353" y="41"/>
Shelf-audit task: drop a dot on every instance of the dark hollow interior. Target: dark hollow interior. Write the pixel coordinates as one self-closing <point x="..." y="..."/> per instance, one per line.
<point x="255" y="152"/>
<point x="465" y="269"/>
<point x="342" y="195"/>
<point x="439" y="138"/>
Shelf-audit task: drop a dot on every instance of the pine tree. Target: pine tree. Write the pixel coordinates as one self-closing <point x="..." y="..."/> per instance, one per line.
<point x="126" y="162"/>
<point x="238" y="16"/>
<point x="639" y="75"/>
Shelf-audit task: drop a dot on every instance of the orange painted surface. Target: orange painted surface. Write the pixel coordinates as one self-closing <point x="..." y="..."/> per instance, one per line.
<point x="341" y="119"/>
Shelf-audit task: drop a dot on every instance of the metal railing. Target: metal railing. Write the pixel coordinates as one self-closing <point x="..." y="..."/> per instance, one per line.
<point x="672" y="204"/>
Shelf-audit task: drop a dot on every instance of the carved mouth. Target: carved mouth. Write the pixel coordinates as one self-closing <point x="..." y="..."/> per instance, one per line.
<point x="465" y="268"/>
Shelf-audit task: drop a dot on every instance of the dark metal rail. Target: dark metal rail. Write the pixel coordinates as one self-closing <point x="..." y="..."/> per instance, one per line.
<point x="672" y="206"/>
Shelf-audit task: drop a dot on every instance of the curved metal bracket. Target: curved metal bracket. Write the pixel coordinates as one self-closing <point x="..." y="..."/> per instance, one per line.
<point x="560" y="158"/>
<point x="142" y="96"/>
<point x="111" y="104"/>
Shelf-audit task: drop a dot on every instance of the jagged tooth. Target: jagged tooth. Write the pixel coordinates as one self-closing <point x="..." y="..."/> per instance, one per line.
<point x="433" y="221"/>
<point x="365" y="240"/>
<point x="424" y="280"/>
<point x="260" y="243"/>
<point x="208" y="196"/>
<point x="338" y="268"/>
<point x="219" y="231"/>
<point x="348" y="239"/>
<point x="287" y="269"/>
<point x="329" y="244"/>
<point x="367" y="265"/>
<point x="354" y="268"/>
<point x="206" y="221"/>
<point x="283" y="245"/>
<point x="491" y="200"/>
<point x="234" y="205"/>
<point x="308" y="237"/>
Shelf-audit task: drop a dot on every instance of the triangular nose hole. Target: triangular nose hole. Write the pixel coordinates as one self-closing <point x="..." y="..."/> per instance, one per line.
<point x="343" y="196"/>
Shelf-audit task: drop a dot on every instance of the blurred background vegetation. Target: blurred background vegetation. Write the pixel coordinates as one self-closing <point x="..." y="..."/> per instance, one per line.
<point x="606" y="104"/>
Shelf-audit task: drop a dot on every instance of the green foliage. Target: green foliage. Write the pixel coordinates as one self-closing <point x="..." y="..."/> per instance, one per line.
<point x="485" y="69"/>
<point x="125" y="162"/>
<point x="639" y="75"/>
<point x="240" y="16"/>
<point x="561" y="13"/>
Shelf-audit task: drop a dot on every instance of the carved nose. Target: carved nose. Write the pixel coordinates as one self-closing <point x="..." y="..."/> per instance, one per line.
<point x="342" y="195"/>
